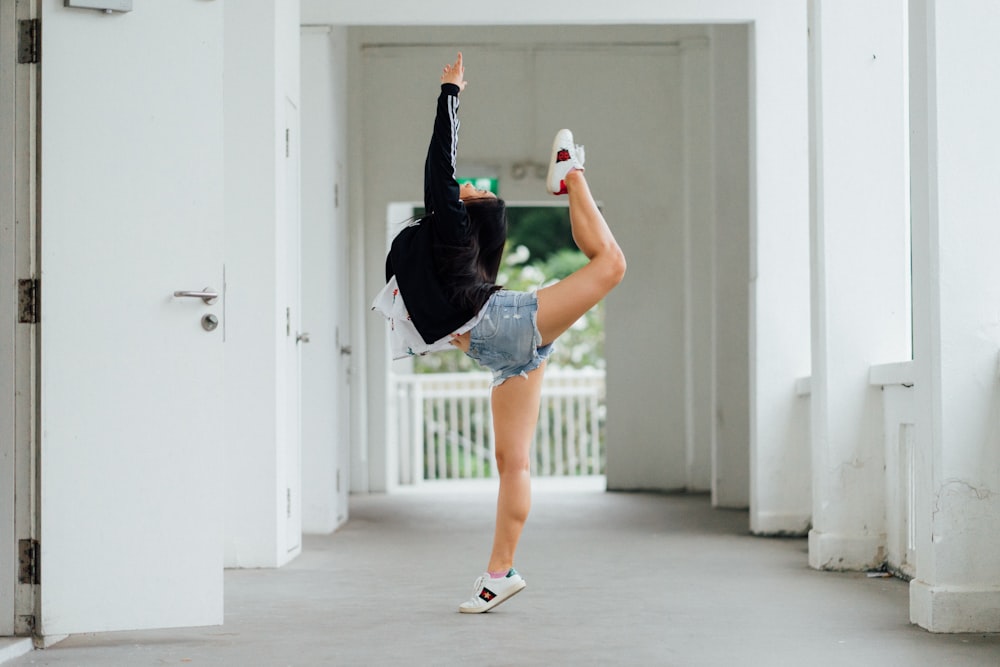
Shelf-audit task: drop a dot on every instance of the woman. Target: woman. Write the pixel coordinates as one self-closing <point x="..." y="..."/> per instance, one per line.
<point x="445" y="267"/>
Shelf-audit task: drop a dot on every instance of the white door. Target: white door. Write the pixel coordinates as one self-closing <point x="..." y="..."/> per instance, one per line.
<point x="130" y="381"/>
<point x="294" y="336"/>
<point x="342" y="357"/>
<point x="326" y="290"/>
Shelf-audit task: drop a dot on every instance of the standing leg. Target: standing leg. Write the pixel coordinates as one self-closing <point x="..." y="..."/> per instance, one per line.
<point x="515" y="415"/>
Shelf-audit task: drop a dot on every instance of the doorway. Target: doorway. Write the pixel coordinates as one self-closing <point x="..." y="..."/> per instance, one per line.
<point x="637" y="161"/>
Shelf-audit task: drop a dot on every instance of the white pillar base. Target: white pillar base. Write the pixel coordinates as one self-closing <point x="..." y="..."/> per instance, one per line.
<point x="839" y="552"/>
<point x="779" y="524"/>
<point x="955" y="608"/>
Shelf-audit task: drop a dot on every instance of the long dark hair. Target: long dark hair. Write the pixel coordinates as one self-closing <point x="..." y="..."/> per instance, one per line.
<point x="470" y="270"/>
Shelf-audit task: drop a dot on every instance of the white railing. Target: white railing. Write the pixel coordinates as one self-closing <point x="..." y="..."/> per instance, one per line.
<point x="445" y="429"/>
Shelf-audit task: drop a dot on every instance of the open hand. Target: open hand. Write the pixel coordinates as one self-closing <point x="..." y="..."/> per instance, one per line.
<point x="455" y="73"/>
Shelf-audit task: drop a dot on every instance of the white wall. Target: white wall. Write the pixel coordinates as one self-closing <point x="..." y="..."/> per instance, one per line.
<point x="529" y="12"/>
<point x="643" y="195"/>
<point x="262" y="51"/>
<point x="325" y="280"/>
<point x="955" y="154"/>
<point x="699" y="236"/>
<point x="780" y="499"/>
<point x="730" y="401"/>
<point x="860" y="268"/>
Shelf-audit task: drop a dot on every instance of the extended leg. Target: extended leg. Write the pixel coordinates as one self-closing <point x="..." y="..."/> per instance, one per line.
<point x="562" y="304"/>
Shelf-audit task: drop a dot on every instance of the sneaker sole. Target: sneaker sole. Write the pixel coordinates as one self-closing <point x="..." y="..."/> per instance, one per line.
<point x="495" y="601"/>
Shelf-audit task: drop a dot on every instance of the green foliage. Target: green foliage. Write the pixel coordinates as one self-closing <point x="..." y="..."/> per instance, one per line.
<point x="563" y="263"/>
<point x="543" y="230"/>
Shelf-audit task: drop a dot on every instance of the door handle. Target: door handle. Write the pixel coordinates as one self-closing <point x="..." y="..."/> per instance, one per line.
<point x="302" y="337"/>
<point x="208" y="295"/>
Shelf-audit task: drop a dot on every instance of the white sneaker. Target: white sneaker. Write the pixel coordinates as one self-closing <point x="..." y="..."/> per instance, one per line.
<point x="489" y="592"/>
<point x="566" y="156"/>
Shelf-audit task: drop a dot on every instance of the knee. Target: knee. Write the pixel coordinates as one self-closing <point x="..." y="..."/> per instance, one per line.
<point x="614" y="266"/>
<point x="620" y="265"/>
<point x="513" y="463"/>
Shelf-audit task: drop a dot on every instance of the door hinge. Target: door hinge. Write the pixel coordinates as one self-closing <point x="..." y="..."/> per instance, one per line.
<point x="288" y="496"/>
<point x="29" y="569"/>
<point x="27" y="301"/>
<point x="29" y="41"/>
<point x="288" y="142"/>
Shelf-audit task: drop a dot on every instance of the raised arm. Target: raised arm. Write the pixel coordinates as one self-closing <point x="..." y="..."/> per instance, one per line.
<point x="441" y="191"/>
<point x="455" y="73"/>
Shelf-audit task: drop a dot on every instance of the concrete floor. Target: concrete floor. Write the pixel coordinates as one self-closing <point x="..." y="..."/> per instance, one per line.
<point x="613" y="579"/>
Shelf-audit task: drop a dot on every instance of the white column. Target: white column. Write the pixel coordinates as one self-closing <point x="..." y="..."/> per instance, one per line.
<point x="698" y="235"/>
<point x="955" y="152"/>
<point x="730" y="263"/>
<point x="860" y="313"/>
<point x="779" y="275"/>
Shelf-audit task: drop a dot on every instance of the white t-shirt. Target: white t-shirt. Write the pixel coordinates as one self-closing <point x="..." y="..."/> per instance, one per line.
<point x="404" y="338"/>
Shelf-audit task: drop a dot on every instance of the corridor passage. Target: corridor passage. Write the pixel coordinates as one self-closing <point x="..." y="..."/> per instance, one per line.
<point x="613" y="579"/>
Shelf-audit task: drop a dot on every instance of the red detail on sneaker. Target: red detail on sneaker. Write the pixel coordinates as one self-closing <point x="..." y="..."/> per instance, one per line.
<point x="562" y="188"/>
<point x="562" y="155"/>
<point x="487" y="594"/>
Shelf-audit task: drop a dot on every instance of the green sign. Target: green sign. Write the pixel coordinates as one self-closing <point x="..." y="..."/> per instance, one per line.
<point x="488" y="184"/>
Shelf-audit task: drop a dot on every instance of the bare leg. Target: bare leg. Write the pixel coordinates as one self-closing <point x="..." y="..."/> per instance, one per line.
<point x="515" y="402"/>
<point x="562" y="304"/>
<point x="515" y="414"/>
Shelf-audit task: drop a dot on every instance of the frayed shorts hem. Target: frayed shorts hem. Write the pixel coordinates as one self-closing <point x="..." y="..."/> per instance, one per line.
<point x="541" y="355"/>
<point x="506" y="340"/>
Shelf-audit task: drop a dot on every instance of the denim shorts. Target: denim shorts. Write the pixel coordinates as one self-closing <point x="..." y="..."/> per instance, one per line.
<point x="506" y="339"/>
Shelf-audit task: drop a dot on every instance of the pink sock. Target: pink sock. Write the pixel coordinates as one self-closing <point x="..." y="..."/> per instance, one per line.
<point x="498" y="575"/>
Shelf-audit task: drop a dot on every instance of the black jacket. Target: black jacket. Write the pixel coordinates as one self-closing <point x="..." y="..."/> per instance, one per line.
<point x="446" y="223"/>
